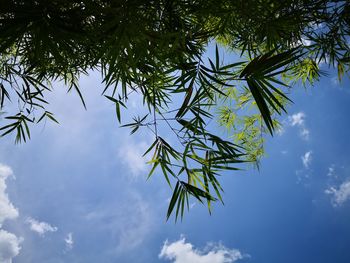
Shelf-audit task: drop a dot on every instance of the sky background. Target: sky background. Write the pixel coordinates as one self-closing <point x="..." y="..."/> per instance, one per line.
<point x="77" y="192"/>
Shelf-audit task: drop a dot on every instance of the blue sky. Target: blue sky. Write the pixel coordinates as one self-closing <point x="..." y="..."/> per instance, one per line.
<point x="77" y="192"/>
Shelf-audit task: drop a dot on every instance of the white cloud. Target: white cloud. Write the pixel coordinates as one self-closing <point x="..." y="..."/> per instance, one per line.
<point x="307" y="158"/>
<point x="341" y="194"/>
<point x="305" y="42"/>
<point x="9" y="246"/>
<point x="182" y="252"/>
<point x="302" y="41"/>
<point x="130" y="153"/>
<point x="9" y="243"/>
<point x="69" y="241"/>
<point x="5" y="171"/>
<point x="297" y="119"/>
<point x="40" y="227"/>
<point x="7" y="210"/>
<point x="331" y="171"/>
<point x="304" y="133"/>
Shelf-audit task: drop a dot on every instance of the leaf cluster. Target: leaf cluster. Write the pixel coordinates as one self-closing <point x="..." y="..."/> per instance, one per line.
<point x="158" y="50"/>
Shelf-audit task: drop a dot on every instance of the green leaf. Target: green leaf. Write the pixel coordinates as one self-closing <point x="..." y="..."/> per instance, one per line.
<point x="174" y="198"/>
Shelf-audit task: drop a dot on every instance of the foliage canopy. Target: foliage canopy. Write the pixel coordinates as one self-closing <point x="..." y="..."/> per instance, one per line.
<point x="158" y="49"/>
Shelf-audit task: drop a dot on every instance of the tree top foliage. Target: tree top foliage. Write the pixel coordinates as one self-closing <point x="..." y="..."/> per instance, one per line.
<point x="158" y="49"/>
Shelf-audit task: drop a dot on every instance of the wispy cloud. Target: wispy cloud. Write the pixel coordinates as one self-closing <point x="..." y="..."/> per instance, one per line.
<point x="331" y="171"/>
<point x="129" y="222"/>
<point x="183" y="252"/>
<point x="298" y="120"/>
<point x="40" y="227"/>
<point x="304" y="133"/>
<point x="306" y="159"/>
<point x="134" y="227"/>
<point x="69" y="241"/>
<point x="339" y="194"/>
<point x="9" y="242"/>
<point x="130" y="154"/>
<point x="335" y="81"/>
